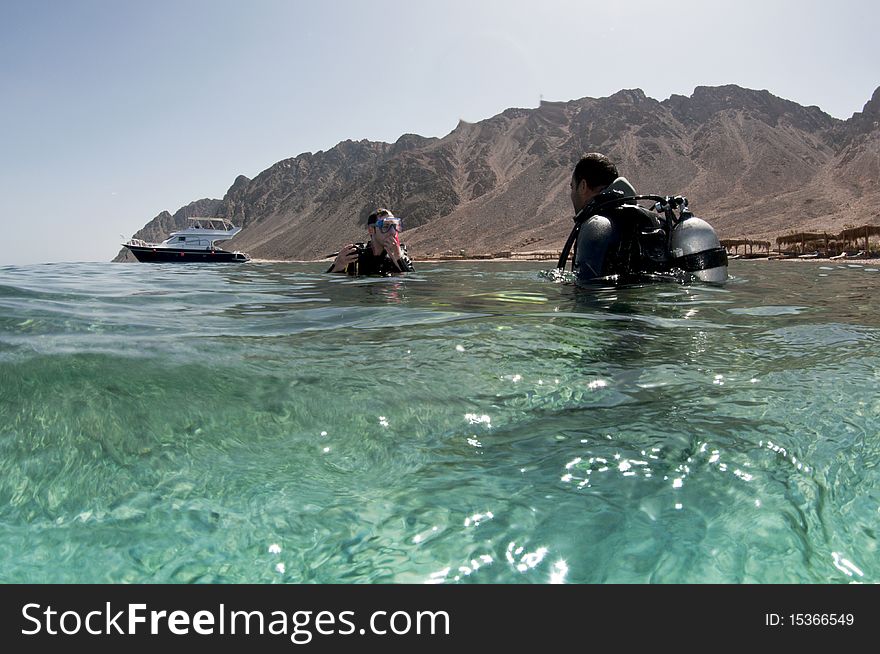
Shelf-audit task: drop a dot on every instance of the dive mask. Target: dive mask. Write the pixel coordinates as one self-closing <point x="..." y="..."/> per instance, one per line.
<point x="387" y="224"/>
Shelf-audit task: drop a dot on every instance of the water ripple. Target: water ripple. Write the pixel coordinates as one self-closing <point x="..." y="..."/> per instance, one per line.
<point x="471" y="423"/>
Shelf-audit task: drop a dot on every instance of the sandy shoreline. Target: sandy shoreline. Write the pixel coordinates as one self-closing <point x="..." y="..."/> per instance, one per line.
<point x="865" y="262"/>
<point x="860" y="262"/>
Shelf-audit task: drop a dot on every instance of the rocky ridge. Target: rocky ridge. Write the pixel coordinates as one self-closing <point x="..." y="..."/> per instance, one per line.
<point x="754" y="165"/>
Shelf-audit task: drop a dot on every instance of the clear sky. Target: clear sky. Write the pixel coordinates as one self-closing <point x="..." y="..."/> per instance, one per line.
<point x="114" y="110"/>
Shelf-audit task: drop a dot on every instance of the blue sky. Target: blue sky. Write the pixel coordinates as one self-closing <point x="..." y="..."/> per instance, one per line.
<point x="114" y="110"/>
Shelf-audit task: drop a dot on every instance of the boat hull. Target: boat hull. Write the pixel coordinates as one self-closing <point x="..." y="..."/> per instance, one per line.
<point x="177" y="255"/>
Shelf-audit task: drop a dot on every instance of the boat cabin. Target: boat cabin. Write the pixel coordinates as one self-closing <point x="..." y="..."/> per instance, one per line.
<point x="202" y="233"/>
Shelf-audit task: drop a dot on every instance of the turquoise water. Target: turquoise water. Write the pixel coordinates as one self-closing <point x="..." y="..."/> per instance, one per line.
<point x="468" y="423"/>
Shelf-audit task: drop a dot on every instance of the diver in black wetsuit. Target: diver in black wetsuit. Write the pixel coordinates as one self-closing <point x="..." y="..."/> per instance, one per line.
<point x="382" y="255"/>
<point x="593" y="174"/>
<point x="615" y="239"/>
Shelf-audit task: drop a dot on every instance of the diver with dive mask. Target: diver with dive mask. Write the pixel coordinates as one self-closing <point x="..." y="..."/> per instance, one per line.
<point x="383" y="254"/>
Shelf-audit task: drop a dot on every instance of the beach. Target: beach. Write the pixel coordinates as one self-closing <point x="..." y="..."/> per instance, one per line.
<point x="489" y="259"/>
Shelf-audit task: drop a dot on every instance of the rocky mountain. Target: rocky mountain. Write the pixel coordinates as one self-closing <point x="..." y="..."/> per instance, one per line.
<point x="754" y="165"/>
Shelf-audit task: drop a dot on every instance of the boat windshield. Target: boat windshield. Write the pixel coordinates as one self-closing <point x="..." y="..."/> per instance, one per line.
<point x="215" y="224"/>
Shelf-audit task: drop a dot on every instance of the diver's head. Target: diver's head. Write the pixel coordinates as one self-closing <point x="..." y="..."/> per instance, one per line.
<point x="591" y="175"/>
<point x="382" y="220"/>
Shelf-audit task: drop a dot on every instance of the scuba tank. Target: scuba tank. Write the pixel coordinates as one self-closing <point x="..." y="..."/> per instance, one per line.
<point x="616" y="239"/>
<point x="696" y="250"/>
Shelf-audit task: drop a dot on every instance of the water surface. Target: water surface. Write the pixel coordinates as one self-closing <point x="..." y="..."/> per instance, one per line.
<point x="468" y="423"/>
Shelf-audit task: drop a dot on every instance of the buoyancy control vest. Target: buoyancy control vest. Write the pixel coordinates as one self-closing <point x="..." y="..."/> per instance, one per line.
<point x="616" y="239"/>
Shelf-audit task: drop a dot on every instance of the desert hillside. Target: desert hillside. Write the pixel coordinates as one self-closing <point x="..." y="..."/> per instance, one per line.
<point x="754" y="165"/>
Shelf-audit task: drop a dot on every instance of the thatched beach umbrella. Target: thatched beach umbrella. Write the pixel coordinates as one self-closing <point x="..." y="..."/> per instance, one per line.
<point x="802" y="238"/>
<point x="735" y="243"/>
<point x="855" y="233"/>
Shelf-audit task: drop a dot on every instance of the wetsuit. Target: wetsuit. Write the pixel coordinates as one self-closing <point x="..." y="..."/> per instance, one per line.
<point x="381" y="264"/>
<point x="626" y="242"/>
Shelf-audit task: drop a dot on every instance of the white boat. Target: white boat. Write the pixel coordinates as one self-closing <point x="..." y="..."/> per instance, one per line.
<point x="197" y="243"/>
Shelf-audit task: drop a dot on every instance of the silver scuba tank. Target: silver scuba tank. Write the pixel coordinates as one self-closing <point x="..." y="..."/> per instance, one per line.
<point x="695" y="248"/>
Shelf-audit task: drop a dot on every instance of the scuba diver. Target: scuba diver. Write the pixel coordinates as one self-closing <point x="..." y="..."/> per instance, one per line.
<point x="615" y="239"/>
<point x="383" y="255"/>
